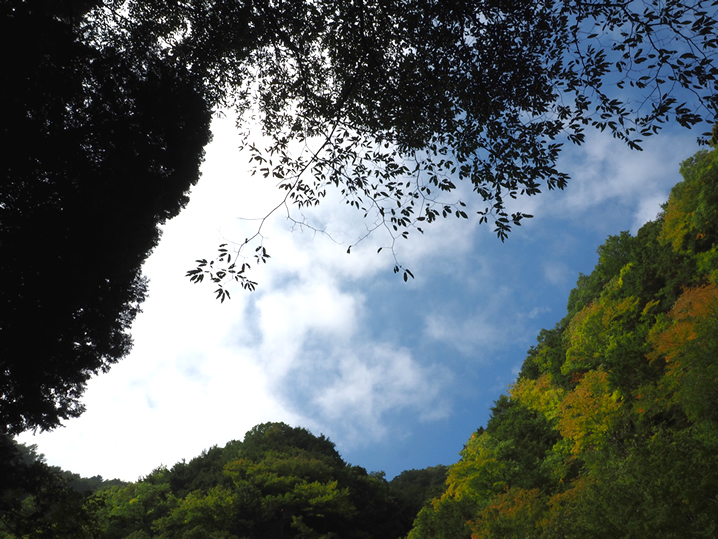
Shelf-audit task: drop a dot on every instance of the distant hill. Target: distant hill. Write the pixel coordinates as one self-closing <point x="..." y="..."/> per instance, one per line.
<point x="280" y="481"/>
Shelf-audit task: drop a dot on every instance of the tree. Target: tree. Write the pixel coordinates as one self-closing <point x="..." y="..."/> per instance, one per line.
<point x="688" y="347"/>
<point x="279" y="482"/>
<point x="101" y="147"/>
<point x="416" y="488"/>
<point x="395" y="102"/>
<point x="37" y="501"/>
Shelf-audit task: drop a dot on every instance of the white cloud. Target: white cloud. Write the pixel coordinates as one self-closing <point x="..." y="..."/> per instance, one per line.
<point x="371" y="381"/>
<point x="557" y="273"/>
<point x="647" y="210"/>
<point x="536" y="311"/>
<point x="605" y="171"/>
<point x="204" y="372"/>
<point x="489" y="326"/>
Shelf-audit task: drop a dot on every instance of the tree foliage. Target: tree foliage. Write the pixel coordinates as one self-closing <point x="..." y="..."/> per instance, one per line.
<point x="611" y="429"/>
<point x="279" y="482"/>
<point x="397" y="104"/>
<point x="414" y="489"/>
<point x="100" y="148"/>
<point x="37" y="500"/>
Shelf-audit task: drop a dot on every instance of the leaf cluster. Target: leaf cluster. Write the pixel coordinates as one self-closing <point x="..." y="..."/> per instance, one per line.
<point x="404" y="106"/>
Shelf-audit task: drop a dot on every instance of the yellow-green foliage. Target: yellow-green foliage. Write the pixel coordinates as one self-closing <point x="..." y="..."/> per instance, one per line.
<point x="587" y="414"/>
<point x="691" y="214"/>
<point x="540" y="395"/>
<point x="480" y="472"/>
<point x="596" y="332"/>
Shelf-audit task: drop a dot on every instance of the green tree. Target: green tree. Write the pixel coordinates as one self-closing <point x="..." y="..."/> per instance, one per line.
<point x="515" y="513"/>
<point x="416" y="488"/>
<point x="280" y="481"/>
<point x="687" y="343"/>
<point x="37" y="501"/>
<point x="530" y="437"/>
<point x="131" y="511"/>
<point x="204" y="471"/>
<point x="691" y="213"/>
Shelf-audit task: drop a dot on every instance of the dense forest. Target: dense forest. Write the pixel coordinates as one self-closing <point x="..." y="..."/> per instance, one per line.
<point x="610" y="430"/>
<point x="280" y="481"/>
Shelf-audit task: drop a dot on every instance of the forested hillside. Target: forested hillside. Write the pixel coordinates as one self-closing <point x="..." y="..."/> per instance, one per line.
<point x="38" y="500"/>
<point x="611" y="429"/>
<point x="279" y="482"/>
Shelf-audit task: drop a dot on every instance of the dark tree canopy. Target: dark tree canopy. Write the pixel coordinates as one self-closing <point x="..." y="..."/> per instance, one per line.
<point x="394" y="102"/>
<point x="100" y="149"/>
<point x="37" y="500"/>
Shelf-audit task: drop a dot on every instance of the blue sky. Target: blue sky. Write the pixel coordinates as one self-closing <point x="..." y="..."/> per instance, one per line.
<point x="397" y="374"/>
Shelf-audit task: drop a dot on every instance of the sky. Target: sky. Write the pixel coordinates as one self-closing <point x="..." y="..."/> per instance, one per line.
<point x="397" y="374"/>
